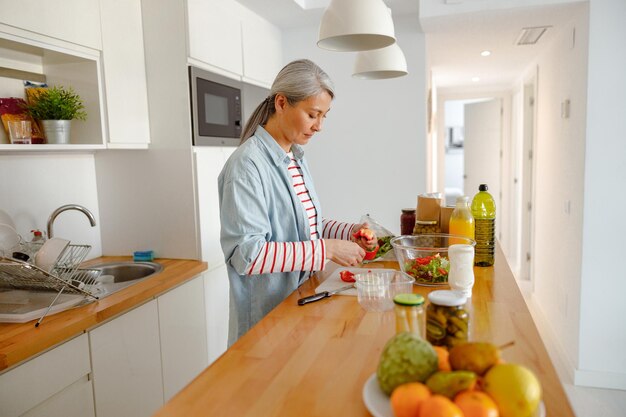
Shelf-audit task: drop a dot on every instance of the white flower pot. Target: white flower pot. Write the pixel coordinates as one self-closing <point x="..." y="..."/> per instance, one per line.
<point x="57" y="131"/>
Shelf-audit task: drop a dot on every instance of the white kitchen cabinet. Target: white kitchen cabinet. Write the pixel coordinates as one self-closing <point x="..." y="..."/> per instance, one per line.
<point x="74" y="401"/>
<point x="56" y="380"/>
<point x="75" y="21"/>
<point x="215" y="35"/>
<point x="126" y="364"/>
<point x="231" y="40"/>
<point x="124" y="73"/>
<point x="182" y="327"/>
<point x="262" y="50"/>
<point x="216" y="289"/>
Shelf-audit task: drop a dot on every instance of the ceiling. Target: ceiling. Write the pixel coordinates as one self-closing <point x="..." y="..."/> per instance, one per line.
<point x="454" y="41"/>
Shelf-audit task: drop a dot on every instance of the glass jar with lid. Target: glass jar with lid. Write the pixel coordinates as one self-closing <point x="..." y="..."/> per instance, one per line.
<point x="407" y="221"/>
<point x="409" y="310"/>
<point x="447" y="320"/>
<point x="426" y="227"/>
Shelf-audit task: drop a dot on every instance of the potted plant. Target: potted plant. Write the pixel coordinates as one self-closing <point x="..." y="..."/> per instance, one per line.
<point x="56" y="107"/>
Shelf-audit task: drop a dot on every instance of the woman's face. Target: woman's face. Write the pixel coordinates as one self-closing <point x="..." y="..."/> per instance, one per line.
<point x="298" y="123"/>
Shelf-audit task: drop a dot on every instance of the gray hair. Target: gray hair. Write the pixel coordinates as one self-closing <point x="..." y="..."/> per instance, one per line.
<point x="297" y="81"/>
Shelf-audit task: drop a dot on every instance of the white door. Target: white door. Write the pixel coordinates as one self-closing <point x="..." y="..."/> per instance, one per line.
<point x="482" y="145"/>
<point x="527" y="179"/>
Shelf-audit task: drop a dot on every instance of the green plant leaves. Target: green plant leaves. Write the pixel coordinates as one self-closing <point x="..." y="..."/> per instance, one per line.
<point x="57" y="103"/>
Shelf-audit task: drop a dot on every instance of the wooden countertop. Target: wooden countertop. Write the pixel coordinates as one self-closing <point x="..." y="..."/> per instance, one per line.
<point x="21" y="341"/>
<point x="313" y="360"/>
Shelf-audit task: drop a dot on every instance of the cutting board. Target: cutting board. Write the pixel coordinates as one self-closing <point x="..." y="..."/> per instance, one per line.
<point x="334" y="280"/>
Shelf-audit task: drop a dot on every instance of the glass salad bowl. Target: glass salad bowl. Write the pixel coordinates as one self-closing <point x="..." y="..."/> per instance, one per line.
<point x="425" y="257"/>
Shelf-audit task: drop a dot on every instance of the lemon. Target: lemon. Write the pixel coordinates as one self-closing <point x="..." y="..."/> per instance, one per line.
<point x="514" y="388"/>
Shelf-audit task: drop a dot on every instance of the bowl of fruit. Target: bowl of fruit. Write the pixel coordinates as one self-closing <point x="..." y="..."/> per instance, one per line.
<point x="414" y="378"/>
<point x="425" y="256"/>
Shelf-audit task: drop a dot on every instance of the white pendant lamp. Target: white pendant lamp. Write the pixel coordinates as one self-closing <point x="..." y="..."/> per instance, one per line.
<point x="356" y="25"/>
<point x="381" y="63"/>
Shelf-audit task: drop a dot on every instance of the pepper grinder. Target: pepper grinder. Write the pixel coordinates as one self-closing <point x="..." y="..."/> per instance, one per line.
<point x="461" y="275"/>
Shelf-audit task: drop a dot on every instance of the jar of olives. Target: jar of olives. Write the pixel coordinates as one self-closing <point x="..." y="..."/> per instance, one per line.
<point x="426" y="227"/>
<point x="447" y="320"/>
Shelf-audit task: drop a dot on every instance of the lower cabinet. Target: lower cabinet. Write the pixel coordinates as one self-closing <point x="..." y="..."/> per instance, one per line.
<point x="126" y="364"/>
<point x="127" y="367"/>
<point x="182" y="327"/>
<point x="55" y="383"/>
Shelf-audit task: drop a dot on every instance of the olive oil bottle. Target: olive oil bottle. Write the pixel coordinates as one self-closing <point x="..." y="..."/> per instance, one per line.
<point x="484" y="212"/>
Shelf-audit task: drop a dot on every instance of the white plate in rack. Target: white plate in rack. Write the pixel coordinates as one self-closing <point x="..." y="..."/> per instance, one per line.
<point x="377" y="402"/>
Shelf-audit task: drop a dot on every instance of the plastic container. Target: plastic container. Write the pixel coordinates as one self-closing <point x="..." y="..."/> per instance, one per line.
<point x="461" y="276"/>
<point x="484" y="213"/>
<point x="375" y="290"/>
<point x="410" y="316"/>
<point x="461" y="220"/>
<point x="447" y="320"/>
<point x="407" y="221"/>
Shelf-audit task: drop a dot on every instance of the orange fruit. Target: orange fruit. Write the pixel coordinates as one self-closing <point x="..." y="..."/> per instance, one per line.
<point x="407" y="398"/>
<point x="443" y="356"/>
<point x="476" y="404"/>
<point x="439" y="406"/>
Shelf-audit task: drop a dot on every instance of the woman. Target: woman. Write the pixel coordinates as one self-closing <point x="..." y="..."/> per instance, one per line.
<point x="273" y="235"/>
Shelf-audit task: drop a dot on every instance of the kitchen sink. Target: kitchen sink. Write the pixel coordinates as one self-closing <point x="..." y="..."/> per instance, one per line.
<point x="116" y="272"/>
<point x="115" y="276"/>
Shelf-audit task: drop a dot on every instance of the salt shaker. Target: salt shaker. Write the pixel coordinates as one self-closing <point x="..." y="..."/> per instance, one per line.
<point x="461" y="275"/>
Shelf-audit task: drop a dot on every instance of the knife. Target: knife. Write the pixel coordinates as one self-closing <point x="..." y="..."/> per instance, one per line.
<point x="323" y="294"/>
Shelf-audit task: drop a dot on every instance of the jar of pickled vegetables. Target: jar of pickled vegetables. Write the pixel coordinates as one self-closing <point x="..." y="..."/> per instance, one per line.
<point x="409" y="309"/>
<point x="426" y="227"/>
<point x="447" y="320"/>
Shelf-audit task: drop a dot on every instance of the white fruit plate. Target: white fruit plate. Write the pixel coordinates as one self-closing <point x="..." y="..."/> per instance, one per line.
<point x="377" y="402"/>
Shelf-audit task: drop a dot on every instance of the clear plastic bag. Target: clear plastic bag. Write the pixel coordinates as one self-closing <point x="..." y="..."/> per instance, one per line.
<point x="385" y="252"/>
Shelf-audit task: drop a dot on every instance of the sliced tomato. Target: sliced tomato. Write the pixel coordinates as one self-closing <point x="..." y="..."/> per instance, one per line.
<point x="365" y="233"/>
<point x="347" y="276"/>
<point x="371" y="254"/>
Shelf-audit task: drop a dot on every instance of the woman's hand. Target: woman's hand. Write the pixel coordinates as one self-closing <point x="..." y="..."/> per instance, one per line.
<point x="343" y="252"/>
<point x="367" y="240"/>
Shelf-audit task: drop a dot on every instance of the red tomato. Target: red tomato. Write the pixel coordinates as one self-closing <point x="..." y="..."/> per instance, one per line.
<point x="347" y="276"/>
<point x="371" y="254"/>
<point x="364" y="233"/>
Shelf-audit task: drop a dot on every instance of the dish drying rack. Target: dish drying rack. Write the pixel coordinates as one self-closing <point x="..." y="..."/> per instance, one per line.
<point x="65" y="276"/>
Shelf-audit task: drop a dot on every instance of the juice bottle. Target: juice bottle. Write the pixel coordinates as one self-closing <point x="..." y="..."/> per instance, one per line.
<point x="484" y="212"/>
<point x="461" y="220"/>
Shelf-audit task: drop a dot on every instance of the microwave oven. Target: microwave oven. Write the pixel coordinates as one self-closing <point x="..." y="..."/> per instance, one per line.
<point x="216" y="116"/>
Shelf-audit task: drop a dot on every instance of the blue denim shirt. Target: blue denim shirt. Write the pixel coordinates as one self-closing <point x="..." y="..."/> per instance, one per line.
<point x="258" y="204"/>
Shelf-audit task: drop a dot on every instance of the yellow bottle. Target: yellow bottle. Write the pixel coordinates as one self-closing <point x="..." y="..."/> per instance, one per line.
<point x="461" y="220"/>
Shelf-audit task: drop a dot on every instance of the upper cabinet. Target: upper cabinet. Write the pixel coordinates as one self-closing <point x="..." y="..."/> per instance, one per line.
<point x="215" y="34"/>
<point x="262" y="50"/>
<point x="227" y="38"/>
<point x="124" y="73"/>
<point x="75" y="21"/>
<point x="96" y="48"/>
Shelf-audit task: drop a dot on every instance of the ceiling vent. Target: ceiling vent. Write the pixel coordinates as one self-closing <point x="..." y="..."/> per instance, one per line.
<point x="530" y="36"/>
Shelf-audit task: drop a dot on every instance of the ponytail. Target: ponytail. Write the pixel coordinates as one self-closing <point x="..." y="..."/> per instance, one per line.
<point x="259" y="116"/>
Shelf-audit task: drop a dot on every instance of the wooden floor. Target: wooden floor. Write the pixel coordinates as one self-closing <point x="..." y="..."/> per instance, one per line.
<point x="587" y="402"/>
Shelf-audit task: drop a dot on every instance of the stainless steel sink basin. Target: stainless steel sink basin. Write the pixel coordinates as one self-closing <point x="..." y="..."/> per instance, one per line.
<point x="126" y="271"/>
<point x="119" y="275"/>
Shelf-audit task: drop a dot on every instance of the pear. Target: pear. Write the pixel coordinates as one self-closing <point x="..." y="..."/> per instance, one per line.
<point x="477" y="357"/>
<point x="450" y="383"/>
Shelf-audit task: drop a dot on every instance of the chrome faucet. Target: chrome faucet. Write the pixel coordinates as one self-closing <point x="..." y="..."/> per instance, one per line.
<point x="66" y="207"/>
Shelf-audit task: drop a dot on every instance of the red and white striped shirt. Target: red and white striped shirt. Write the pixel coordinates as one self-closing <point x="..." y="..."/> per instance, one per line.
<point x="304" y="255"/>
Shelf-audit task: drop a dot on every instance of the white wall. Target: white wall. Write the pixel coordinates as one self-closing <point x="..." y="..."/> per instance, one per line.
<point x="371" y="154"/>
<point x="33" y="186"/>
<point x="602" y="308"/>
<point x="559" y="154"/>
<point x="147" y="196"/>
